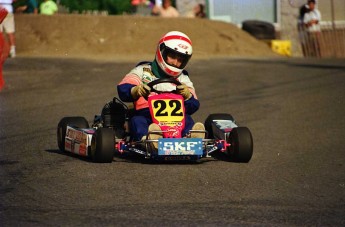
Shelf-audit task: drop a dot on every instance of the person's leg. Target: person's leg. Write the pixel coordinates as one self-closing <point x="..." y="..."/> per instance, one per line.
<point x="314" y="44"/>
<point x="155" y="134"/>
<point x="139" y="127"/>
<point x="318" y="44"/>
<point x="190" y="125"/>
<point x="12" y="42"/>
<point x="9" y="27"/>
<point x="2" y="60"/>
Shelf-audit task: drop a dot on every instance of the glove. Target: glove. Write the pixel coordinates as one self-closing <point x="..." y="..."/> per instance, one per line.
<point x="141" y="90"/>
<point x="184" y="91"/>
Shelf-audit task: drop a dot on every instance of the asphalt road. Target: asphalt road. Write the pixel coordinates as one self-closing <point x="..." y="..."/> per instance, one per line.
<point x="295" y="109"/>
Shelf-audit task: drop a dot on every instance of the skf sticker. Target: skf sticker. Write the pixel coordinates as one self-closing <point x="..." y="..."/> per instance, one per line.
<point x="184" y="146"/>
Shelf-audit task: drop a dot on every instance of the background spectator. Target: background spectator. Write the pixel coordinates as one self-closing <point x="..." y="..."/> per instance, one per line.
<point x="199" y="11"/>
<point x="303" y="37"/>
<point x="135" y="4"/>
<point x="48" y="7"/>
<point x="142" y="7"/>
<point x="312" y="22"/>
<point x="8" y="25"/>
<point x="166" y="10"/>
<point x="31" y="6"/>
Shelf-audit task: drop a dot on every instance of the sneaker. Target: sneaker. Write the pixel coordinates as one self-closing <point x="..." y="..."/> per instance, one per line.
<point x="155" y="135"/>
<point x="200" y="128"/>
<point x="13" y="52"/>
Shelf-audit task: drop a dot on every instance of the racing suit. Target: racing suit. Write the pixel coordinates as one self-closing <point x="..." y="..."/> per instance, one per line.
<point x="144" y="73"/>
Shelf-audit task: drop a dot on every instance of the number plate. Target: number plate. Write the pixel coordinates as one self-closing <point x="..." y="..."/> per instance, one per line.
<point x="184" y="146"/>
<point x="167" y="110"/>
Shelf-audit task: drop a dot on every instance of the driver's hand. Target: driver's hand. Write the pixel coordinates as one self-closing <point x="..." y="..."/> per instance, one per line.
<point x="184" y="91"/>
<point x="141" y="90"/>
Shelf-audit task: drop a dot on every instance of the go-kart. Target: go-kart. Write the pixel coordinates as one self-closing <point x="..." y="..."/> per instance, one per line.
<point x="110" y="135"/>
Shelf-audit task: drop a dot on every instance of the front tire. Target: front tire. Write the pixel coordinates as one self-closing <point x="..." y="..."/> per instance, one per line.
<point x="103" y="145"/>
<point x="79" y="122"/>
<point x="241" y="140"/>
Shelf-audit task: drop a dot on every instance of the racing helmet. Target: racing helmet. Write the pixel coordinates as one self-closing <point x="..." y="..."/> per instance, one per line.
<point x="178" y="45"/>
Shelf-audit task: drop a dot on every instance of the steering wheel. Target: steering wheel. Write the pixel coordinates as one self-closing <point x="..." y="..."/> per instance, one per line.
<point x="162" y="81"/>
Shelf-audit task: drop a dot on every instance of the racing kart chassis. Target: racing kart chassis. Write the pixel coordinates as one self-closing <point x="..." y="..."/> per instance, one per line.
<point x="101" y="143"/>
<point x="109" y="133"/>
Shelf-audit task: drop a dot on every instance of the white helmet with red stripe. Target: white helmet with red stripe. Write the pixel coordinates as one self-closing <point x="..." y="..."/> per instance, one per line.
<point x="178" y="45"/>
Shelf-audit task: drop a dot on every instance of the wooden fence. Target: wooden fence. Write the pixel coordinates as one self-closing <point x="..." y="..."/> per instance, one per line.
<point x="329" y="43"/>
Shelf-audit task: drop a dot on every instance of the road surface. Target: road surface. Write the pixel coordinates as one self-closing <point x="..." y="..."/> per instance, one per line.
<point x="295" y="109"/>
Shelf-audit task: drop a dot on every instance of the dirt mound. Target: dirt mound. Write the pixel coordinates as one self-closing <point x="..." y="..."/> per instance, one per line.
<point x="127" y="37"/>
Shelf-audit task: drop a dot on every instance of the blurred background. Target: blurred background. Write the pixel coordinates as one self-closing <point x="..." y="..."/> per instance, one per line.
<point x="271" y="21"/>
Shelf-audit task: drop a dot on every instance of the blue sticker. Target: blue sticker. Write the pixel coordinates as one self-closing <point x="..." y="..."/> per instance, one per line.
<point x="183" y="146"/>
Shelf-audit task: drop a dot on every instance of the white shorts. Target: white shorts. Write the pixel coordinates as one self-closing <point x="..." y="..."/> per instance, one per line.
<point x="8" y="24"/>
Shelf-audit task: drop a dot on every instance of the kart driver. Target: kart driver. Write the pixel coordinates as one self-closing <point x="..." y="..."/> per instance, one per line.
<point x="173" y="53"/>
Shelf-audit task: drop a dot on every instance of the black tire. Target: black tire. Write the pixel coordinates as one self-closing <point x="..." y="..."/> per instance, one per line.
<point x="103" y="145"/>
<point x="216" y="116"/>
<point x="79" y="122"/>
<point x="259" y="29"/>
<point x="241" y="140"/>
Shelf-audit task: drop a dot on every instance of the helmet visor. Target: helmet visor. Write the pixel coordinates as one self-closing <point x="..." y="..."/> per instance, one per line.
<point x="174" y="58"/>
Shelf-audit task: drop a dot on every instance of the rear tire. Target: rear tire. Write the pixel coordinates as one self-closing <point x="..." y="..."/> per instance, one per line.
<point x="259" y="29"/>
<point x="103" y="145"/>
<point x="216" y="116"/>
<point x="79" y="122"/>
<point x="241" y="140"/>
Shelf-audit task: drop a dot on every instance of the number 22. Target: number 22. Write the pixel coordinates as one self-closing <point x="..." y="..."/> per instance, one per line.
<point x="162" y="106"/>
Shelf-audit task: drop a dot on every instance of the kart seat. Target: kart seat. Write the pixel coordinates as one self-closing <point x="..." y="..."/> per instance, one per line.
<point x="114" y="116"/>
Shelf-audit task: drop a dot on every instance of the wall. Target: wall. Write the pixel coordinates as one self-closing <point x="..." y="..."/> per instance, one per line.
<point x="288" y="26"/>
<point x="326" y="11"/>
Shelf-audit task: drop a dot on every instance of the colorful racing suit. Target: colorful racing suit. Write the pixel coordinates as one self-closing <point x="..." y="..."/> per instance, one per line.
<point x="141" y="120"/>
